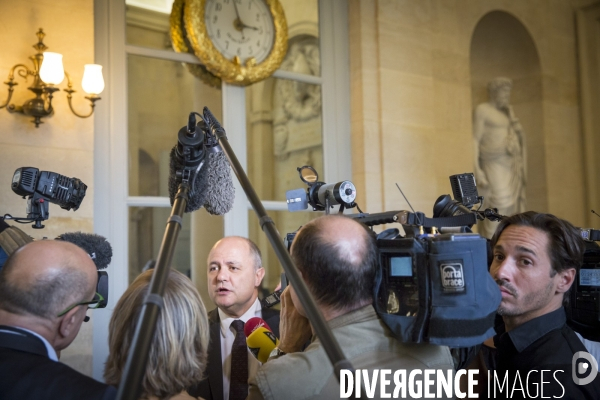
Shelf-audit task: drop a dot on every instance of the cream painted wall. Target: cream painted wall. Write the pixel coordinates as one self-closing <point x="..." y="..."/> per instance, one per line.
<point x="411" y="98"/>
<point x="64" y="143"/>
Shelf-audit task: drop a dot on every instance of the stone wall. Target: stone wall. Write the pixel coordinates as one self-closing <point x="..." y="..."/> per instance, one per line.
<point x="412" y="100"/>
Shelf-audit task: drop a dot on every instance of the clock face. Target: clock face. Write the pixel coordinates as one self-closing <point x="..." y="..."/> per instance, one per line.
<point x="242" y="28"/>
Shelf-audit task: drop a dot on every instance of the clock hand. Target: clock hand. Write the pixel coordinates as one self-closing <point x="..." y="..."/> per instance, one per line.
<point x="237" y="23"/>
<point x="237" y="14"/>
<point x="249" y="27"/>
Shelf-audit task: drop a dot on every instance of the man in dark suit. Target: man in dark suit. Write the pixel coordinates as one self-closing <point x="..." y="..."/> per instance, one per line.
<point x="234" y="275"/>
<point x="45" y="290"/>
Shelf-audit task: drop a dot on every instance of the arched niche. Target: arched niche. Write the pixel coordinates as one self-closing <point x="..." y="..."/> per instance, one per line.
<point x="502" y="46"/>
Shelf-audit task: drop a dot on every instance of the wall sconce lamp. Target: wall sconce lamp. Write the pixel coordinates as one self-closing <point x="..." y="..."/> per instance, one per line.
<point x="47" y="72"/>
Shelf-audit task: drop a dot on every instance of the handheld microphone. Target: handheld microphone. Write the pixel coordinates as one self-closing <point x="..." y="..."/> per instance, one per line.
<point x="99" y="250"/>
<point x="259" y="338"/>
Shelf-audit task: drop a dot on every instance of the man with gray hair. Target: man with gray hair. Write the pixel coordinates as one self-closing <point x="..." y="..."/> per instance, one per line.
<point x="234" y="275"/>
<point x="45" y="290"/>
<point x="499" y="154"/>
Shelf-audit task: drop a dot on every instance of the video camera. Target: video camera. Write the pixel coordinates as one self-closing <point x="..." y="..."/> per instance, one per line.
<point x="431" y="286"/>
<point x="583" y="310"/>
<point x="43" y="188"/>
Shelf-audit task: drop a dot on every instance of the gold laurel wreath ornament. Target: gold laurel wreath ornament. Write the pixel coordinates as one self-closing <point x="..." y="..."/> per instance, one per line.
<point x="239" y="41"/>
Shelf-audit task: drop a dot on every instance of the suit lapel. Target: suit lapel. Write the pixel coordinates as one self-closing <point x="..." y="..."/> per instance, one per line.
<point x="215" y="373"/>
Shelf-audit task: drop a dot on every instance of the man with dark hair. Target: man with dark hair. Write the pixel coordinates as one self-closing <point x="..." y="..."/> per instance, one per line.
<point x="337" y="258"/>
<point x="45" y="290"/>
<point x="536" y="258"/>
<point x="234" y="274"/>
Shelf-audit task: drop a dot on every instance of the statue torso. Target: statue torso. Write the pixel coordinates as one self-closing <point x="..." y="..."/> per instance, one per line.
<point x="496" y="128"/>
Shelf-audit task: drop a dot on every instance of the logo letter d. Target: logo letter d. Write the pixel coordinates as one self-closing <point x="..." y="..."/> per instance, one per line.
<point x="582" y="367"/>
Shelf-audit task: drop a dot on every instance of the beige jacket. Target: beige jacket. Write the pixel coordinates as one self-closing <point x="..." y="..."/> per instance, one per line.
<point x="365" y="340"/>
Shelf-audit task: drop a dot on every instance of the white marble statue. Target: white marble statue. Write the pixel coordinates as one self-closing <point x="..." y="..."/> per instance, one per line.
<point x="500" y="156"/>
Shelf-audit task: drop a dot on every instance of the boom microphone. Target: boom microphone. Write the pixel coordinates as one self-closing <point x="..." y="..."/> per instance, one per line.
<point x="197" y="194"/>
<point x="187" y="164"/>
<point x="259" y="338"/>
<point x="220" y="192"/>
<point x="100" y="251"/>
<point x="197" y="157"/>
<point x="97" y="247"/>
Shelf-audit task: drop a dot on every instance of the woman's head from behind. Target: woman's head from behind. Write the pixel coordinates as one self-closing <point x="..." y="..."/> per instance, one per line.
<point x="178" y="350"/>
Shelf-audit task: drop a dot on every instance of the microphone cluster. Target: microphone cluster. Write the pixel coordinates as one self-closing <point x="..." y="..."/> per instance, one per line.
<point x="197" y="159"/>
<point x="260" y="339"/>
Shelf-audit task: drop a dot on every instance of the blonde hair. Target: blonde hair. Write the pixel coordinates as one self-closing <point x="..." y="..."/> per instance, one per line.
<point x="177" y="356"/>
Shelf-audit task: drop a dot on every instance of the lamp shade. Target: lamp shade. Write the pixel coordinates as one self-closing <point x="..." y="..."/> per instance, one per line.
<point x="93" y="81"/>
<point x="52" y="71"/>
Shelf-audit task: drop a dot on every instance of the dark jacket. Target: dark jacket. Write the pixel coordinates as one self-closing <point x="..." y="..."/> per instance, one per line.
<point x="540" y="350"/>
<point x="26" y="372"/>
<point x="211" y="388"/>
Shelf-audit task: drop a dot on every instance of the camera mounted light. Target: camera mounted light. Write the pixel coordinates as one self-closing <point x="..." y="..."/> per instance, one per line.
<point x="320" y="195"/>
<point x="42" y="188"/>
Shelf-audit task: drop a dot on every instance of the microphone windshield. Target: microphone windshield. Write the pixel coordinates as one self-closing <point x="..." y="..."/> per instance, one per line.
<point x="254" y="323"/>
<point x="259" y="338"/>
<point x="97" y="247"/>
<point x="220" y="192"/>
<point x="198" y="182"/>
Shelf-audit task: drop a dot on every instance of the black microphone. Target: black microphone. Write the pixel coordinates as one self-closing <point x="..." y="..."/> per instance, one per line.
<point x="97" y="247"/>
<point x="188" y="161"/>
<point x="197" y="157"/>
<point x="100" y="251"/>
<point x="197" y="193"/>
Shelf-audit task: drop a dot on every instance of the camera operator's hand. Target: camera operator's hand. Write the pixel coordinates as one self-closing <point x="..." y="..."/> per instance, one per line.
<point x="294" y="329"/>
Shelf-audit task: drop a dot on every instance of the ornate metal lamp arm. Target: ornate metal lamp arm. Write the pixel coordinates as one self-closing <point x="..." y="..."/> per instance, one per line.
<point x="11" y="81"/>
<point x="92" y="98"/>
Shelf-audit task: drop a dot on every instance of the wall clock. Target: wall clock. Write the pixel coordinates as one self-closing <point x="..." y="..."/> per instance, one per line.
<point x="240" y="41"/>
<point x="181" y="44"/>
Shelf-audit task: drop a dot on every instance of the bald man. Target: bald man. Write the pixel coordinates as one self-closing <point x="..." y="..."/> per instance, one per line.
<point x="234" y="272"/>
<point x="337" y="258"/>
<point x="45" y="290"/>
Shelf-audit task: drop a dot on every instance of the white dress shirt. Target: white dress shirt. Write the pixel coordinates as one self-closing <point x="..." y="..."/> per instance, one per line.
<point x="592" y="347"/>
<point x="227" y="338"/>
